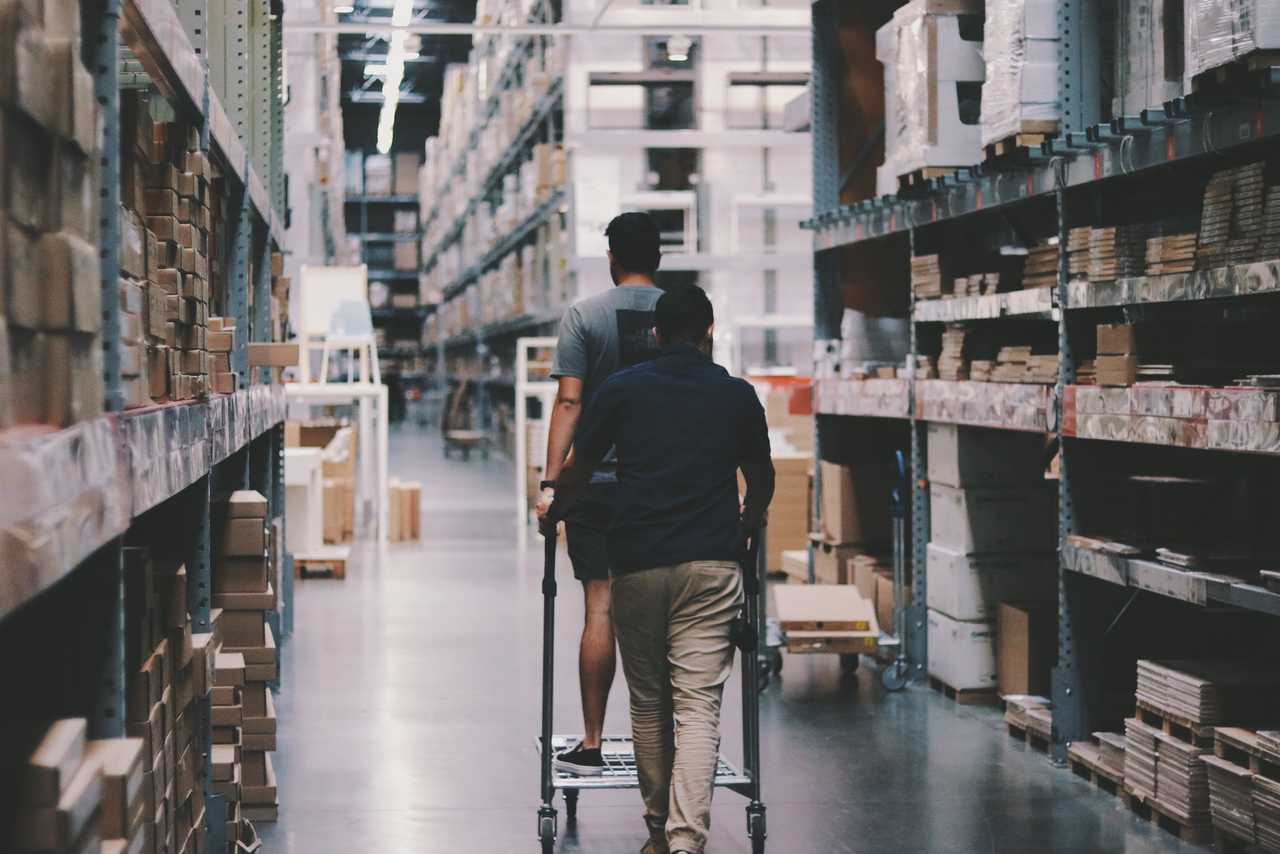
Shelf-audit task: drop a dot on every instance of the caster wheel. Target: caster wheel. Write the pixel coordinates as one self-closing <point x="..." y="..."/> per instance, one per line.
<point x="849" y="663"/>
<point x="756" y="828"/>
<point x="547" y="833"/>
<point x="571" y="805"/>
<point x="894" y="676"/>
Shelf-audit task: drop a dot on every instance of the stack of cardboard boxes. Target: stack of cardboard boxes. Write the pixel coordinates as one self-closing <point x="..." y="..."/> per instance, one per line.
<point x="1117" y="362"/>
<point x="81" y="796"/>
<point x="169" y="218"/>
<point x="338" y="468"/>
<point x="244" y="715"/>
<point x="856" y="517"/>
<point x="406" y="511"/>
<point x="160" y="706"/>
<point x="221" y="340"/>
<point x="50" y="334"/>
<point x="993" y="526"/>
<point x="788" y="524"/>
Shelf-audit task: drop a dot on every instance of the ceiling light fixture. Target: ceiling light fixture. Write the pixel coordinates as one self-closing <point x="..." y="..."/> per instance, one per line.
<point x="678" y="48"/>
<point x="401" y="15"/>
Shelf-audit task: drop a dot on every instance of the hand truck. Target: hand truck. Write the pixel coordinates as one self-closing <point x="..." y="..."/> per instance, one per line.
<point x="895" y="674"/>
<point x="618" y="751"/>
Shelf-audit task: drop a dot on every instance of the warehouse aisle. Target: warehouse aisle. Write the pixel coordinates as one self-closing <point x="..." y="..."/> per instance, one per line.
<point x="410" y="705"/>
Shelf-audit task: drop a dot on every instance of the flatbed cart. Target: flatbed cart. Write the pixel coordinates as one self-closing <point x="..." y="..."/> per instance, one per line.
<point x="838" y="620"/>
<point x="618" y="751"/>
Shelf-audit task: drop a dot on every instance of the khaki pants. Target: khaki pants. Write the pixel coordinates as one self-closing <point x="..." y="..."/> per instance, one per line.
<point x="673" y="626"/>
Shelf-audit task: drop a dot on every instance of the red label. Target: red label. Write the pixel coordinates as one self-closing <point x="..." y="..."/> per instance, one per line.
<point x="1170" y="147"/>
<point x="1257" y="125"/>
<point x="933" y="211"/>
<point x="893" y="221"/>
<point x="1031" y="184"/>
<point x="1097" y="165"/>
<point x="978" y="201"/>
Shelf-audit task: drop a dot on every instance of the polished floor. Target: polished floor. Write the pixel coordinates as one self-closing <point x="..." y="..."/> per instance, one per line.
<point x="410" y="704"/>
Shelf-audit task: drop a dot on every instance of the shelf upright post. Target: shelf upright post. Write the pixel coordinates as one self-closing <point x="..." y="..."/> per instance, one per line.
<point x="1079" y="54"/>
<point x="261" y="326"/>
<point x="277" y="506"/>
<point x="104" y="63"/>
<point x="258" y="71"/>
<point x="917" y="613"/>
<point x="107" y="720"/>
<point x="1070" y="706"/>
<point x="827" y="302"/>
<point x="237" y="291"/>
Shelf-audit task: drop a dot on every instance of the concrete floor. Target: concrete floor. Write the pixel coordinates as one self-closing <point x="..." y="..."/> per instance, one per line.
<point x="410" y="705"/>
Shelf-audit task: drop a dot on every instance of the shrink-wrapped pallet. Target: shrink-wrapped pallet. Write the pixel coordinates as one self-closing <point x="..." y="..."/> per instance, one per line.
<point x="1020" y="44"/>
<point x="1218" y="32"/>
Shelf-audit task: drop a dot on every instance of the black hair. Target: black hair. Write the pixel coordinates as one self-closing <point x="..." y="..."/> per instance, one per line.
<point x="683" y="315"/>
<point x="633" y="240"/>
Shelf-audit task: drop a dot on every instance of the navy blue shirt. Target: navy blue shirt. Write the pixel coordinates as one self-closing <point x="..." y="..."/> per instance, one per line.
<point x="681" y="426"/>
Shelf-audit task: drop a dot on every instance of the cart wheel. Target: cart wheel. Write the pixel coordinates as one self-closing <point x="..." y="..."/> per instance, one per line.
<point x="570" y="805"/>
<point x="849" y="662"/>
<point x="894" y="676"/>
<point x="756" y="827"/>
<point x="547" y="829"/>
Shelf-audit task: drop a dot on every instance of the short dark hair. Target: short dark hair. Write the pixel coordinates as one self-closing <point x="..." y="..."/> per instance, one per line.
<point x="684" y="315"/>
<point x="633" y="240"/>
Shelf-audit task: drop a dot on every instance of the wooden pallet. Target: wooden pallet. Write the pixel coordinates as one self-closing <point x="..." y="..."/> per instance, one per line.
<point x="965" y="696"/>
<point x="320" y="568"/>
<point x="1028" y="736"/>
<point x="1240" y="747"/>
<point x="1246" y="74"/>
<point x="919" y="179"/>
<point x="1017" y="147"/>
<point x="1183" y="729"/>
<point x="1229" y="843"/>
<point x="1084" y="760"/>
<point x="1148" y="808"/>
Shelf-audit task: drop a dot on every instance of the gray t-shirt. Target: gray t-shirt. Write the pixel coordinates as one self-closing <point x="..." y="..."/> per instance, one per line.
<point x="602" y="334"/>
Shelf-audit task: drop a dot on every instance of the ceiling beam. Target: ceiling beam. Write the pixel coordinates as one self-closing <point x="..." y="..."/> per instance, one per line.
<point x="371" y="56"/>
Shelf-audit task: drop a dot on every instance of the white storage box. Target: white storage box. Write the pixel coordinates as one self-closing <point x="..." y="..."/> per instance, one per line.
<point x="972" y="456"/>
<point x="971" y="587"/>
<point x="1144" y="38"/>
<point x="925" y="56"/>
<point x="982" y="520"/>
<point x="1020" y="45"/>
<point x="1218" y="32"/>
<point x="962" y="654"/>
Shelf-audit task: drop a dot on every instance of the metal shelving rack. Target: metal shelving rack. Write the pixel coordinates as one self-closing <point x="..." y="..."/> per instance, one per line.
<point x="1186" y="135"/>
<point x="84" y="486"/>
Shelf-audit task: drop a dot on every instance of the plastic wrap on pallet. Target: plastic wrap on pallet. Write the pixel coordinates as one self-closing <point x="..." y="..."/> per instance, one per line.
<point x="66" y="495"/>
<point x="1014" y="406"/>
<point x="168" y="451"/>
<point x="880" y="340"/>
<point x="1020" y="44"/>
<point x="1218" y="32"/>
<point x="1149" y="29"/>
<point x="877" y="398"/>
<point x="1239" y="280"/>
<point x="924" y="56"/>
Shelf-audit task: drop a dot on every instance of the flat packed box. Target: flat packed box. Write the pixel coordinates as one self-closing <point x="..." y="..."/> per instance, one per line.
<point x="973" y="456"/>
<point x="971" y="587"/>
<point x="1002" y="519"/>
<point x="961" y="654"/>
<point x="1027" y="638"/>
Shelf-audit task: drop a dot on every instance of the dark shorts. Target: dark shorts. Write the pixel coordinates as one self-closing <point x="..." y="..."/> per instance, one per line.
<point x="586" y="527"/>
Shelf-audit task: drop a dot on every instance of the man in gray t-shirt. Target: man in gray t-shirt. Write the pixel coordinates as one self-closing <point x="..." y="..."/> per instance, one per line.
<point x="598" y="336"/>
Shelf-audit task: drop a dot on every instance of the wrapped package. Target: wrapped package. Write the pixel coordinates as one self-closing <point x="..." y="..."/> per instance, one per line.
<point x="1147" y="55"/>
<point x="933" y="84"/>
<point x="1218" y="32"/>
<point x="1020" y="43"/>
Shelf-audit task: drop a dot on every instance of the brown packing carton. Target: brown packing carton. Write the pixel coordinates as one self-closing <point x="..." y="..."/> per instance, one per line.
<point x="202" y="662"/>
<point x="240" y="575"/>
<point x="229" y="788"/>
<point x="157" y="310"/>
<point x="864" y="578"/>
<point x="71" y="283"/>
<point x="222" y="759"/>
<point x="831" y="562"/>
<point x="28" y="394"/>
<point x="74" y="110"/>
<point x="1026" y="647"/>
<point x="265" y="724"/>
<point x="263" y="600"/>
<point x="246" y="504"/>
<point x="1117" y="339"/>
<point x="259" y="742"/>
<point x="73" y="378"/>
<point x="227" y="716"/>
<point x="72" y="202"/>
<point x="222" y="383"/>
<point x="228" y="669"/>
<point x="54" y="761"/>
<point x="30" y="157"/>
<point x="1116" y="370"/>
<point x="185" y="772"/>
<point x="227" y="735"/>
<point x="855" y="502"/>
<point x="171" y="595"/>
<point x="258" y="779"/>
<point x="885" y="601"/>
<point x="254" y="698"/>
<point x="257" y="659"/>
<point x="122" y="764"/>
<point x="263" y="355"/>
<point x="23" y="268"/>
<point x="133" y="245"/>
<point x="226" y="695"/>
<point x="220" y="342"/>
<point x="161" y="203"/>
<point x="25" y="81"/>
<point x="242" y="629"/>
<point x="150" y="731"/>
<point x="57" y="828"/>
<point x="242" y="538"/>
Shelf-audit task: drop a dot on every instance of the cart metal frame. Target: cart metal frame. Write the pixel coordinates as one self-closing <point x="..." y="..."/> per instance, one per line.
<point x="620" y="765"/>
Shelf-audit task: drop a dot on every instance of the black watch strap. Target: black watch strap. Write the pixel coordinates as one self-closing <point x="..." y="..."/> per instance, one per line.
<point x="547" y="484"/>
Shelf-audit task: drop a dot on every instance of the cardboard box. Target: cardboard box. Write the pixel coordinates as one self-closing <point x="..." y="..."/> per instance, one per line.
<point x="855" y="503"/>
<point x="831" y="562"/>
<point x="262" y="789"/>
<point x="1116" y="370"/>
<point x="242" y="537"/>
<point x="1027" y="640"/>
<point x="795" y="563"/>
<point x="971" y="587"/>
<point x="226" y="716"/>
<point x="255" y="698"/>
<point x="240" y="575"/>
<point x="122" y="763"/>
<point x="961" y="654"/>
<point x="885" y="602"/>
<point x="864" y="573"/>
<point x="228" y="669"/>
<point x="58" y="827"/>
<point x="53" y="763"/>
<point x="263" y="355"/>
<point x="264" y="724"/>
<point x="253" y="600"/>
<point x="73" y="203"/>
<point x="1117" y="339"/>
<point x="983" y="520"/>
<point x="971" y="456"/>
<point x="29" y="145"/>
<point x="260" y="742"/>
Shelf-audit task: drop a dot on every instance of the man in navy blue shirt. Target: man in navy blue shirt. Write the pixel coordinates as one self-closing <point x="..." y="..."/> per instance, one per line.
<point x="682" y="429"/>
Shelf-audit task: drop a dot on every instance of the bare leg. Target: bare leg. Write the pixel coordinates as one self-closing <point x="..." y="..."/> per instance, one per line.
<point x="597" y="661"/>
